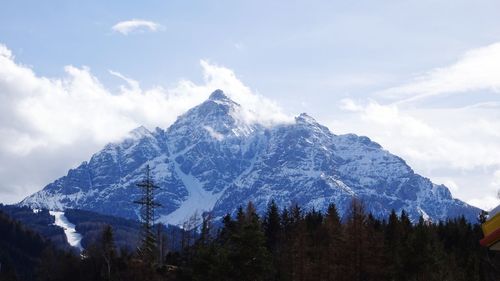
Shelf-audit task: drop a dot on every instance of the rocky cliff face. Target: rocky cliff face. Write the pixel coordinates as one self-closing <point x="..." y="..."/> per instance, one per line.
<point x="211" y="159"/>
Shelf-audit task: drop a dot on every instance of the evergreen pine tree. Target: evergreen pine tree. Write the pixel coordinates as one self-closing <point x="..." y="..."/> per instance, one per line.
<point x="334" y="244"/>
<point x="273" y="231"/>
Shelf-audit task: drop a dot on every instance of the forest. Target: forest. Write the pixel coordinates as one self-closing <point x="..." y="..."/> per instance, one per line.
<point x="288" y="244"/>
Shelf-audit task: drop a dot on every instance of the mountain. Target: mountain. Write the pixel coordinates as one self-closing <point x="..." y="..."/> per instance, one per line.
<point x="212" y="158"/>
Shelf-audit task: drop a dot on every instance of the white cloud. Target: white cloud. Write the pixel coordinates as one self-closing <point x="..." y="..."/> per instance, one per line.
<point x="428" y="136"/>
<point x="476" y="70"/>
<point x="350" y="105"/>
<point x="239" y="46"/>
<point x="126" y="27"/>
<point x="133" y="84"/>
<point x="496" y="182"/>
<point x="5" y="52"/>
<point x="48" y="125"/>
<point x="486" y="202"/>
<point x="451" y="184"/>
<point x="214" y="134"/>
<point x="445" y="124"/>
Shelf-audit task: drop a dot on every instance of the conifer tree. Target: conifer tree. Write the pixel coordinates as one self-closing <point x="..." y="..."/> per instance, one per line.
<point x="272" y="227"/>
<point x="334" y="244"/>
<point x="297" y="246"/>
<point x="108" y="250"/>
<point x="393" y="242"/>
<point x="273" y="232"/>
<point x="356" y="253"/>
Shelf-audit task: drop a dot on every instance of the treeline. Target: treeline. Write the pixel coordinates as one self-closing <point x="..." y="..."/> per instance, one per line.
<point x="126" y="232"/>
<point x="21" y="250"/>
<point x="40" y="222"/>
<point x="292" y="244"/>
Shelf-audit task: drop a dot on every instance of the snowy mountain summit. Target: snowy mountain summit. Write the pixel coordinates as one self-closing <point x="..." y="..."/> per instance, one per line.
<point x="211" y="159"/>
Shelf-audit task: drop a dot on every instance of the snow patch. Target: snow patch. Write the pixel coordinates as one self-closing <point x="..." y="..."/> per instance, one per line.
<point x="199" y="200"/>
<point x="425" y="216"/>
<point x="74" y="238"/>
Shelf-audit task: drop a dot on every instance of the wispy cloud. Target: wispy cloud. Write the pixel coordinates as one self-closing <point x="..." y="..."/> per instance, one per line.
<point x="136" y="25"/>
<point x="476" y="70"/>
<point x="133" y="84"/>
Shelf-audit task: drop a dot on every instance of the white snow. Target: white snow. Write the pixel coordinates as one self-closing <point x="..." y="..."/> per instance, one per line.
<point x="199" y="200"/>
<point x="139" y="133"/>
<point x="306" y="118"/>
<point x="361" y="164"/>
<point x="425" y="216"/>
<point x="74" y="238"/>
<point x="44" y="200"/>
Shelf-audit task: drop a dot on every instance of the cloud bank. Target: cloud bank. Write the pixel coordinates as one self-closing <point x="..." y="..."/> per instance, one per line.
<point x="136" y="25"/>
<point x="48" y="125"/>
<point x="445" y="123"/>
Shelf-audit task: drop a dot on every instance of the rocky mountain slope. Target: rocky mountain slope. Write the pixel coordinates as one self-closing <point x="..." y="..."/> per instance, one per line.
<point x="211" y="159"/>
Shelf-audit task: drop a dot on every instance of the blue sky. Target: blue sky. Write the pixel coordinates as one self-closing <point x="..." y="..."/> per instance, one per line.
<point x="420" y="77"/>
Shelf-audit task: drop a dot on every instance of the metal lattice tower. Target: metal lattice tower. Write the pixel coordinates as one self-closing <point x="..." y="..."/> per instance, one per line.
<point x="148" y="247"/>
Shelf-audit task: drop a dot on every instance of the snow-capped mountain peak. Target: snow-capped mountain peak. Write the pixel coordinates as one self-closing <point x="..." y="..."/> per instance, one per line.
<point x="305" y="118"/>
<point x="218" y="95"/>
<point x="139" y="133"/>
<point x="211" y="159"/>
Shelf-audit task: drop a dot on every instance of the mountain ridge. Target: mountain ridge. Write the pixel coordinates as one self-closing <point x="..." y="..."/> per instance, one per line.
<point x="213" y="159"/>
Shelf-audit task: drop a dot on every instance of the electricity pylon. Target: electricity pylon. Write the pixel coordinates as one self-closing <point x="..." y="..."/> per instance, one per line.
<point x="148" y="247"/>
